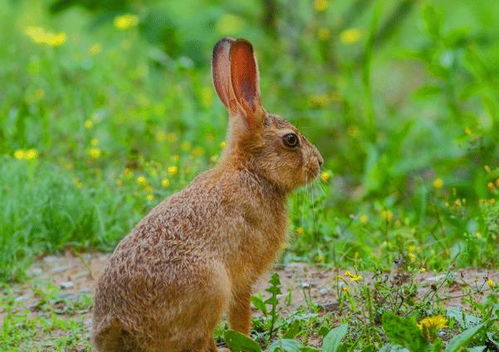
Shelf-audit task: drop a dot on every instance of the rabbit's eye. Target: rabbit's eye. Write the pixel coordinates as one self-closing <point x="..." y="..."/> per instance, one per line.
<point x="290" y="140"/>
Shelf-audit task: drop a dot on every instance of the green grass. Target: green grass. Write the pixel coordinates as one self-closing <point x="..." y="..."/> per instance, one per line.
<point x="116" y="121"/>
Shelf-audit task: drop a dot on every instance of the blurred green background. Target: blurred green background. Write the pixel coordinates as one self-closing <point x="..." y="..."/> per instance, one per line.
<point x="107" y="107"/>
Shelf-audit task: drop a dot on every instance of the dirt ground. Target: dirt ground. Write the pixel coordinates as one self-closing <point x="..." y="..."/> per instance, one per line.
<point x="79" y="273"/>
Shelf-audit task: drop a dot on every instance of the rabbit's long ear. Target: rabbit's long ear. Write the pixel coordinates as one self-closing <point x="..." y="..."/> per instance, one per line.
<point x="220" y="69"/>
<point x="245" y="81"/>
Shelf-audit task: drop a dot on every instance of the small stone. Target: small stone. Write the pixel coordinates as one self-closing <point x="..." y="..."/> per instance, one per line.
<point x="66" y="284"/>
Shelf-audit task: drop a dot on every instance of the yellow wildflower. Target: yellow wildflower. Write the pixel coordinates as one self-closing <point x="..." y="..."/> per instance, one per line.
<point x="95" y="49"/>
<point x="30" y="154"/>
<point x="363" y="219"/>
<point x="185" y="146"/>
<point x="19" y="154"/>
<point x="125" y="22"/>
<point x="438" y="183"/>
<point x="94" y="153"/>
<point x="223" y="144"/>
<point x="491" y="186"/>
<point x="387" y="215"/>
<point x="323" y="33"/>
<point x="94" y="142"/>
<point x="214" y="158"/>
<point x="319" y="100"/>
<point x="77" y="182"/>
<point x="141" y="180"/>
<point x="325" y="176"/>
<point x="437" y="322"/>
<point x="41" y="36"/>
<point x="411" y="256"/>
<point x="207" y="97"/>
<point x="321" y="5"/>
<point x="319" y="258"/>
<point x="467" y="131"/>
<point x="172" y="170"/>
<point x="348" y="273"/>
<point x="345" y="289"/>
<point x="165" y="182"/>
<point x="198" y="151"/>
<point x="300" y="230"/>
<point x="355" y="278"/>
<point x="350" y="36"/>
<point x="491" y="283"/>
<point x="229" y="24"/>
<point x="422" y="270"/>
<point x="150" y="196"/>
<point x="88" y="124"/>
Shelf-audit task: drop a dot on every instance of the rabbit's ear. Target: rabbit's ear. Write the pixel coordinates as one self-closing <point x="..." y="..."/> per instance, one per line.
<point x="220" y="69"/>
<point x="245" y="81"/>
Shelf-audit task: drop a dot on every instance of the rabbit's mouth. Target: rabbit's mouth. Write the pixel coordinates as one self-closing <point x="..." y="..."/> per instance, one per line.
<point x="311" y="174"/>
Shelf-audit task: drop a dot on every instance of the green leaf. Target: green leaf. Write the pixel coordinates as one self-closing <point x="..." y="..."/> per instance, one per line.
<point x="462" y="339"/>
<point x="404" y="332"/>
<point x="259" y="304"/>
<point x="240" y="343"/>
<point x="285" y="345"/>
<point x="333" y="338"/>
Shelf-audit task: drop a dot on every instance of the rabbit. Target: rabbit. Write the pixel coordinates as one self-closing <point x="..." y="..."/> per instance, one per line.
<point x="197" y="254"/>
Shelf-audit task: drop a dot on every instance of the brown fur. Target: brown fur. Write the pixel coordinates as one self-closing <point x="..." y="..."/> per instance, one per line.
<point x="197" y="254"/>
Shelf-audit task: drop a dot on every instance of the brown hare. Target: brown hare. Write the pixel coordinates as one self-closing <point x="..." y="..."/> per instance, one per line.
<point x="198" y="253"/>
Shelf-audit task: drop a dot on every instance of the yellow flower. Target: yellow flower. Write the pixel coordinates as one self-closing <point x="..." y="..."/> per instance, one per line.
<point x="77" y="182"/>
<point x="88" y="124"/>
<point x="300" y="230"/>
<point x="214" y="158"/>
<point x="19" y="154"/>
<point x="411" y="256"/>
<point x="150" y="196"/>
<point x="355" y="278"/>
<point x="172" y="170"/>
<point x="491" y="283"/>
<point x="350" y="36"/>
<point x="229" y="24"/>
<point x="363" y="219"/>
<point x="125" y="22"/>
<point x="325" y="176"/>
<point x="94" y="153"/>
<point x="94" y="142"/>
<point x="165" y="182"/>
<point x="387" y="215"/>
<point x="206" y="97"/>
<point x="321" y="5"/>
<point x="141" y="180"/>
<point x="438" y="183"/>
<point x="319" y="101"/>
<point x="198" y="151"/>
<point x="345" y="289"/>
<point x="30" y="154"/>
<point x="41" y="36"/>
<point x="491" y="186"/>
<point x="95" y="49"/>
<point x="437" y="322"/>
<point x="422" y="270"/>
<point x="319" y="258"/>
<point x="185" y="146"/>
<point x="223" y="145"/>
<point x="323" y="33"/>
<point x="467" y="131"/>
<point x="348" y="273"/>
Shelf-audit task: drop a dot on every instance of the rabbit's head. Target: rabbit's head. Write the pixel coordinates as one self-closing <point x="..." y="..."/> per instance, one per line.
<point x="258" y="141"/>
